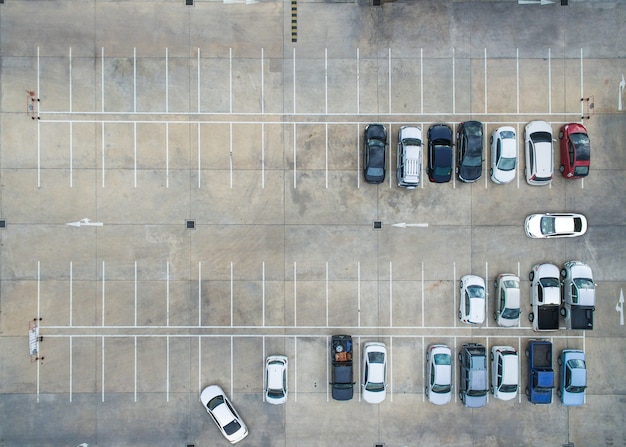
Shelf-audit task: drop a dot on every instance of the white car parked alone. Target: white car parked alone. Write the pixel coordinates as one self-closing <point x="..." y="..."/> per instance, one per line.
<point x="223" y="413"/>
<point x="555" y="225"/>
<point x="374" y="372"/>
<point x="276" y="379"/>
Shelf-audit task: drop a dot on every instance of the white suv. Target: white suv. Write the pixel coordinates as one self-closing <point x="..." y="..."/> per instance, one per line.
<point x="409" y="165"/>
<point x="504" y="372"/>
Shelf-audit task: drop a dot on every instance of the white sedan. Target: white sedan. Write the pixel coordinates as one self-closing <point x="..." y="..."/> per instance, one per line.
<point x="472" y="301"/>
<point x="439" y="374"/>
<point x="276" y="379"/>
<point x="555" y="225"/>
<point x="223" y="413"/>
<point x="374" y="372"/>
<point x="503" y="155"/>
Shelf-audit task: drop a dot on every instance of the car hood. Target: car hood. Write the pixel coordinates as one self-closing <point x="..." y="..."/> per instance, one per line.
<point x="411" y="132"/>
<point x="504" y="176"/>
<point x="470" y="173"/>
<point x="475" y="401"/>
<point x="440" y="133"/>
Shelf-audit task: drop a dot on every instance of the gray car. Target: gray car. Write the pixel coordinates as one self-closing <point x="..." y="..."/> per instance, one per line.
<point x="473" y="377"/>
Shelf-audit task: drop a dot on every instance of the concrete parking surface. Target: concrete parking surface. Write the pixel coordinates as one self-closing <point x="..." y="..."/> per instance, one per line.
<point x="219" y="165"/>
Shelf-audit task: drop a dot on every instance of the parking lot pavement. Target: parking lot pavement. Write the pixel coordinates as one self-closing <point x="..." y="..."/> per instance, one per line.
<point x="220" y="165"/>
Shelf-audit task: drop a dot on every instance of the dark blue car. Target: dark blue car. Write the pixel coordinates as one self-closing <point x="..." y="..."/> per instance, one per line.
<point x="469" y="141"/>
<point x="439" y="153"/>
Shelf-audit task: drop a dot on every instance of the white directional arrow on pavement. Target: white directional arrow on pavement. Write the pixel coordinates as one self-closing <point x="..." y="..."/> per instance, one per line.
<point x="85" y="222"/>
<point x="619" y="307"/>
<point x="404" y="225"/>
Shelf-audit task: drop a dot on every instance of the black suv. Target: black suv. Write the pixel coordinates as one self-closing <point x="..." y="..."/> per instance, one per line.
<point x="469" y="160"/>
<point x="474" y="383"/>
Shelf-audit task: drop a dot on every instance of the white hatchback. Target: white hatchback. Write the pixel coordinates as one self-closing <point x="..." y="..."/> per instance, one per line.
<point x="472" y="299"/>
<point x="503" y="155"/>
<point x="374" y="384"/>
<point x="539" y="153"/>
<point x="276" y="379"/>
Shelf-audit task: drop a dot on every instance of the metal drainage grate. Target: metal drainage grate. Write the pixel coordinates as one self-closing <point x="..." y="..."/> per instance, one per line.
<point x="564" y="2"/>
<point x="3" y="222"/>
<point x="378" y="225"/>
<point x="189" y="3"/>
<point x="190" y="224"/>
<point x="379" y="444"/>
<point x="191" y="445"/>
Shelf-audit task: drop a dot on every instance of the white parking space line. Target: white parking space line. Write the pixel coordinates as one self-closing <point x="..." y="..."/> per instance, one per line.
<point x="199" y="366"/>
<point x="231" y="293"/>
<point x="103" y="150"/>
<point x="135" y="293"/>
<point x="71" y="292"/>
<point x="294" y="154"/>
<point x="517" y="78"/>
<point x="358" y="156"/>
<point x="135" y="152"/>
<point x="295" y="367"/>
<point x="135" y="362"/>
<point x="358" y="82"/>
<point x="199" y="158"/>
<point x="326" y="293"/>
<point x="389" y="80"/>
<point x="102" y="80"/>
<point x="167" y="368"/>
<point x="199" y="293"/>
<point x="167" y="155"/>
<point x="263" y="155"/>
<point x="103" y="291"/>
<point x="134" y="79"/>
<point x="326" y="83"/>
<point x="262" y="81"/>
<point x="390" y="152"/>
<point x="327" y="368"/>
<point x="230" y="154"/>
<point x="71" y="368"/>
<point x="263" y="371"/>
<point x="423" y="297"/>
<point x="294" y="80"/>
<point x="390" y="294"/>
<point x="485" y="83"/>
<point x="263" y="293"/>
<point x="453" y="84"/>
<point x="390" y="369"/>
<point x="422" y="84"/>
<point x="230" y="79"/>
<point x="454" y="309"/>
<point x="519" y="365"/>
<point x="167" y="81"/>
<point x="358" y="354"/>
<point x="358" y="293"/>
<point x="487" y="293"/>
<point x="455" y="358"/>
<point x="70" y="78"/>
<point x="295" y="295"/>
<point x="232" y="361"/>
<point x="582" y="95"/>
<point x="549" y="80"/>
<point x="102" y="369"/>
<point x="326" y="154"/>
<point x="486" y="148"/>
<point x="423" y="362"/>
<point x="198" y="76"/>
<point x="520" y="172"/>
<point x="71" y="154"/>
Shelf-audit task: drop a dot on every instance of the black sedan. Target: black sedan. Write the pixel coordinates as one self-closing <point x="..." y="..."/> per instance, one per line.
<point x="439" y="153"/>
<point x="469" y="141"/>
<point x="374" y="145"/>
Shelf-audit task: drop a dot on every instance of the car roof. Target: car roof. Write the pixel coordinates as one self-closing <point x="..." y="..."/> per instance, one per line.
<point x="275" y="376"/>
<point x="510" y="364"/>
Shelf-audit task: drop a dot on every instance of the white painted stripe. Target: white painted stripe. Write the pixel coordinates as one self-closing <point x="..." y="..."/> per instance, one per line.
<point x="358" y="293"/>
<point x="423" y="294"/>
<point x="103" y="150"/>
<point x="103" y="291"/>
<point x="295" y="295"/>
<point x="263" y="371"/>
<point x="263" y="155"/>
<point x="38" y="154"/>
<point x="167" y="368"/>
<point x="102" y="79"/>
<point x="135" y="293"/>
<point x="231" y="294"/>
<point x="71" y="292"/>
<point x="167" y="292"/>
<point x="453" y="84"/>
<point x="390" y="354"/>
<point x="294" y="156"/>
<point x="199" y="110"/>
<point x="199" y="293"/>
<point x="358" y="354"/>
<point x="582" y="95"/>
<point x="38" y="291"/>
<point x="167" y="155"/>
<point x="485" y="80"/>
<point x="549" y="80"/>
<point x="326" y="293"/>
<point x="102" y="370"/>
<point x="487" y="293"/>
<point x="70" y="78"/>
<point x="519" y="141"/>
<point x="230" y="153"/>
<point x="263" y="295"/>
<point x="295" y="367"/>
<point x="358" y="83"/>
<point x="134" y="79"/>
<point x="389" y="81"/>
<point x="454" y="369"/>
<point x="135" y="151"/>
<point x="230" y="79"/>
<point x="422" y="81"/>
<point x="135" y="368"/>
<point x="454" y="286"/>
<point x="423" y="372"/>
<point x="232" y="361"/>
<point x="294" y="79"/>
<point x="70" y="369"/>
<point x="326" y="153"/>
<point x="517" y="77"/>
<point x="358" y="156"/>
<point x="389" y="158"/>
<point x="199" y="159"/>
<point x="167" y="81"/>
<point x="327" y="368"/>
<point x="199" y="366"/>
<point x="262" y="82"/>
<point x="326" y="81"/>
<point x="519" y="366"/>
<point x="390" y="294"/>
<point x="71" y="154"/>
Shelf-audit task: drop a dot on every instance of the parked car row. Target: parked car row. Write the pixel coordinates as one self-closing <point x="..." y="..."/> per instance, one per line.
<point x="474" y="383"/>
<point x="538" y="145"/>
<point x="572" y="296"/>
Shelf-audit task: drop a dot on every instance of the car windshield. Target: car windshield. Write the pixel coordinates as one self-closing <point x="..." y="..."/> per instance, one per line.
<point x="472" y="161"/>
<point x="371" y="386"/>
<point x="232" y="427"/>
<point x="511" y="284"/>
<point x="412" y="142"/>
<point x="547" y="225"/>
<point x="576" y="363"/>
<point x="376" y="357"/>
<point x="477" y="393"/>
<point x="584" y="283"/>
<point x="476" y="292"/>
<point x="508" y="388"/>
<point x="510" y="314"/>
<point x="507" y="134"/>
<point x="441" y="389"/>
<point x="581" y="141"/>
<point x="506" y="164"/>
<point x="550" y="282"/>
<point x="541" y="137"/>
<point x="216" y="401"/>
<point x="581" y="170"/>
<point x="442" y="359"/>
<point x="275" y="393"/>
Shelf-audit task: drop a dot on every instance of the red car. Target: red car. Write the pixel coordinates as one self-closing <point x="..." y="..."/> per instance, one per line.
<point x="575" y="150"/>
